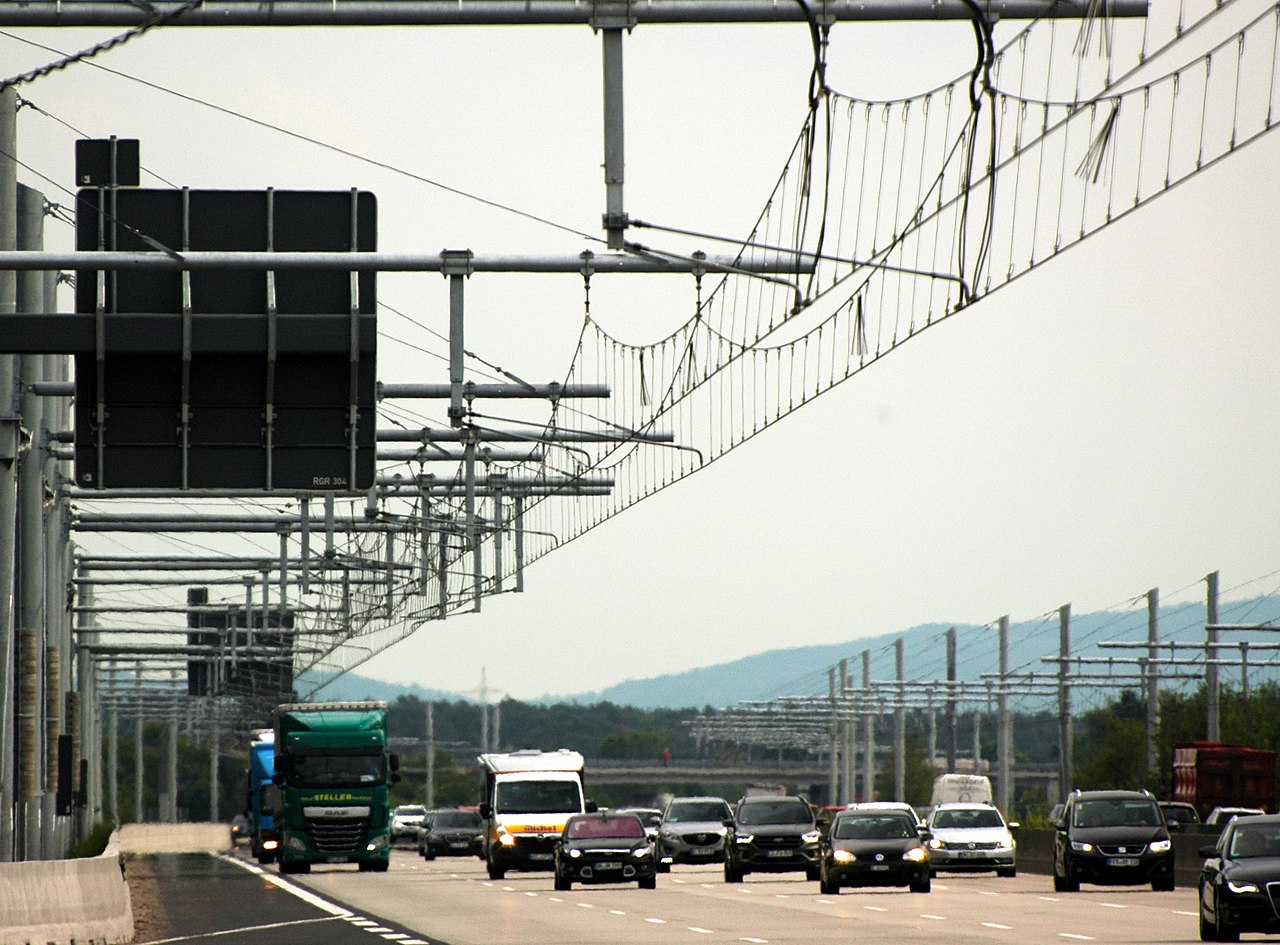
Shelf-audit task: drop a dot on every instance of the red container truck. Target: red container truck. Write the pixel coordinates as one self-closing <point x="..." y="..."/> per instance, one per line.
<point x="1211" y="774"/>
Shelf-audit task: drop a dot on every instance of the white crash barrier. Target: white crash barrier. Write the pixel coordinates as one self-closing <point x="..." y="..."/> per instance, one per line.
<point x="64" y="901"/>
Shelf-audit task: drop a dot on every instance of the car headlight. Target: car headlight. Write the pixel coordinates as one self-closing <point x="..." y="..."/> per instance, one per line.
<point x="936" y="844"/>
<point x="294" y="842"/>
<point x="377" y="843"/>
<point x="810" y="837"/>
<point x="1161" y="846"/>
<point x="842" y="856"/>
<point x="478" y="837"/>
<point x="1242" y="887"/>
<point x="916" y="855"/>
<point x="744" y="837"/>
<point x="641" y="852"/>
<point x="575" y="853"/>
<point x="1081" y="847"/>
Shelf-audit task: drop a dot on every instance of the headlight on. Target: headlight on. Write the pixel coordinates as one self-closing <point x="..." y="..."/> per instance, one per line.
<point x="506" y="839"/>
<point x="641" y="852"/>
<point x="916" y="855"/>
<point x="744" y="837"/>
<point x="842" y="856"/>
<point x="1081" y="847"/>
<point x="575" y="853"/>
<point x="1161" y="846"/>
<point x="1242" y="887"/>
<point x="810" y="837"/>
<point x="936" y="844"/>
<point x="377" y="843"/>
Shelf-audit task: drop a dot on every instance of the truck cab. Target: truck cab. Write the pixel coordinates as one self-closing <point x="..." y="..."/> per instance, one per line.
<point x="262" y="796"/>
<point x="527" y="797"/>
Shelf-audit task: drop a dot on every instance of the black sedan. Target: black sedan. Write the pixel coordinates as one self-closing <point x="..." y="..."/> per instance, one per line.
<point x="873" y="847"/>
<point x="1239" y="874"/>
<point x="605" y="847"/>
<point x="451" y="833"/>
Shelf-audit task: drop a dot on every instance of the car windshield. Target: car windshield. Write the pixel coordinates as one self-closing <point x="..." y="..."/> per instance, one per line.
<point x="409" y="811"/>
<point x="967" y="818"/>
<point x="774" y="812"/>
<point x="460" y="819"/>
<point x="539" y="797"/>
<point x="689" y="811"/>
<point x="873" y="827"/>
<point x="1116" y="812"/>
<point x="1251" y="840"/>
<point x="627" y="828"/>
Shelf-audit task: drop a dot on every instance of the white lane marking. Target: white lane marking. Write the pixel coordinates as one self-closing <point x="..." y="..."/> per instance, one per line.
<point x="253" y="928"/>
<point x="755" y="941"/>
<point x="1178" y="912"/>
<point x="824" y="902"/>
<point x="415" y="941"/>
<point x="997" y="925"/>
<point x="1113" y="905"/>
<point x="584" y="905"/>
<point x="930" y="915"/>
<point x="1045" y="898"/>
<point x="1082" y="938"/>
<point x="533" y="894"/>
<point x="657" y="921"/>
<point x="616" y="912"/>
<point x="679" y="882"/>
<point x="304" y="894"/>
<point x="378" y="929"/>
<point x="395" y="937"/>
<point x="552" y="898"/>
<point x="363" y="923"/>
<point x="694" y="928"/>
<point x="981" y="892"/>
<point x="504" y="888"/>
<point x="875" y="908"/>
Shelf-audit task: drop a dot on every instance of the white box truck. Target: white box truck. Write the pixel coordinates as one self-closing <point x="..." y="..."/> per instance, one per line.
<point x="526" y="797"/>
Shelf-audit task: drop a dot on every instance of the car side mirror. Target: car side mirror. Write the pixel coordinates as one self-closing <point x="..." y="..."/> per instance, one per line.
<point x="1208" y="851"/>
<point x="394" y="760"/>
<point x="1173" y="826"/>
<point x="1013" y="824"/>
<point x="395" y="777"/>
<point x="727" y="822"/>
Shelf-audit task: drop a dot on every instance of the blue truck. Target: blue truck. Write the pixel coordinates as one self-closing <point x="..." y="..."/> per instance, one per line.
<point x="262" y="797"/>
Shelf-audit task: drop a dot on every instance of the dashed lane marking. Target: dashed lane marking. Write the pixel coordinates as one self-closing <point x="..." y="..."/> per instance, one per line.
<point x="930" y="915"/>
<point x="1078" y="938"/>
<point x="694" y="928"/>
<point x="657" y="921"/>
<point x="997" y="925"/>
<point x="616" y="912"/>
<point x="875" y="908"/>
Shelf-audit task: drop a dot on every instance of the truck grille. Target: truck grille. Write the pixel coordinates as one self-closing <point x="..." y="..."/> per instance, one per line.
<point x="337" y="836"/>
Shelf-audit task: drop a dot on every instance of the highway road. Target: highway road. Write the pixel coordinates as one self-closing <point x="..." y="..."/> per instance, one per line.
<point x="453" y="901"/>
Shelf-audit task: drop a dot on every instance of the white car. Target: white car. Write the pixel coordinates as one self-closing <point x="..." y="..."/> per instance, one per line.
<point x="1221" y="816"/>
<point x="971" y="837"/>
<point x="405" y="821"/>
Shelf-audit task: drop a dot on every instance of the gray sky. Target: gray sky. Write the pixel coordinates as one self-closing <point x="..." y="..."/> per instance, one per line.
<point x="1106" y="424"/>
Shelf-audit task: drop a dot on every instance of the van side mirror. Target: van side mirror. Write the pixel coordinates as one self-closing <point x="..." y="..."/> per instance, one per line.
<point x="486" y="811"/>
<point x="591" y="806"/>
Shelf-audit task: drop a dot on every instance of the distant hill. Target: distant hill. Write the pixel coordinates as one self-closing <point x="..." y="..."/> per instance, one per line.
<point x="803" y="670"/>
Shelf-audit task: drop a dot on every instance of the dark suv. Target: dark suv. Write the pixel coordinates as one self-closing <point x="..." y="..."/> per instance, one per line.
<point x="771" y="834"/>
<point x="1112" y="838"/>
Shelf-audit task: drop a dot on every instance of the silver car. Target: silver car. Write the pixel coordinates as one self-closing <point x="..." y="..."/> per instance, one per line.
<point x="971" y="837"/>
<point x="692" y="831"/>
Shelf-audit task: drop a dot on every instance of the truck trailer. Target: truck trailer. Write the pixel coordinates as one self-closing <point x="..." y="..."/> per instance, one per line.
<point x="333" y="771"/>
<point x="262" y="796"/>
<point x="1211" y="774"/>
<point x="526" y="797"/>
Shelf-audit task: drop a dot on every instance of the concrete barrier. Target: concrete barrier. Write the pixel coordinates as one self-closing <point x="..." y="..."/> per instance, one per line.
<point x="65" y="901"/>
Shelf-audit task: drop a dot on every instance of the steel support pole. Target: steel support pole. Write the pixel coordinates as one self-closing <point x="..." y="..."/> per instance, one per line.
<point x="1004" y="730"/>
<point x="1066" y="766"/>
<point x="834" y="785"/>
<point x="1213" y="690"/>
<point x="899" y="727"/>
<point x="849" y="742"/>
<point x="615" y="217"/>
<point x="868" y="736"/>
<point x="953" y="723"/>
<point x="8" y="482"/>
<point x="139" y="785"/>
<point x="431" y="754"/>
<point x="1153" y="680"/>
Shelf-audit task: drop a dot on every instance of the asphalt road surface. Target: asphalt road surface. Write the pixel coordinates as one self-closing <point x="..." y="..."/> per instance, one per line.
<point x="453" y="902"/>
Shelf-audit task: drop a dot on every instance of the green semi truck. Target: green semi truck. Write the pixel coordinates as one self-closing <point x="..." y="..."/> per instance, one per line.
<point x="333" y="771"/>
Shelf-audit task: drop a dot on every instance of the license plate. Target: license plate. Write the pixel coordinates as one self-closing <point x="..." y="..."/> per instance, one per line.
<point x="880" y="867"/>
<point x="1122" y="861"/>
<point x="335" y="859"/>
<point x="608" y="866"/>
<point x="702" y="851"/>
<point x="778" y="853"/>
<point x="459" y="845"/>
<point x="971" y="854"/>
<point x="539" y="856"/>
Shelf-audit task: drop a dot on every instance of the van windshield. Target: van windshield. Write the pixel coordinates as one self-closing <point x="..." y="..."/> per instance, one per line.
<point x="538" y="797"/>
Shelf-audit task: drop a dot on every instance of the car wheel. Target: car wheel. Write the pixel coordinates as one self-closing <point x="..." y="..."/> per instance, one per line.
<point x="731" y="873"/>
<point x="428" y="854"/>
<point x="563" y="883"/>
<point x="648" y="882"/>
<point x="1207" y="932"/>
<point x="921" y="887"/>
<point x="812" y="874"/>
<point x="663" y="867"/>
<point x="496" y="871"/>
<point x="826" y="886"/>
<point x="1008" y="873"/>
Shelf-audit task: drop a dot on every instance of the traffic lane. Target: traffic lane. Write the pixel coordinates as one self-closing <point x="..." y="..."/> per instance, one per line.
<point x="455" y="900"/>
<point x="231" y="900"/>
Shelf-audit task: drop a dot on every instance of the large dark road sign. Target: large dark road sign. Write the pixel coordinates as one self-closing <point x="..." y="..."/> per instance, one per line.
<point x="227" y="379"/>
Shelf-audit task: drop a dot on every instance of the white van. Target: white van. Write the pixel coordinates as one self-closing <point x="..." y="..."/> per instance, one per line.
<point x="961" y="789"/>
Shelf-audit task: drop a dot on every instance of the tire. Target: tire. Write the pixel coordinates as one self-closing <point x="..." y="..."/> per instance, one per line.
<point x="828" y="888"/>
<point x="1010" y="873"/>
<point x="663" y="867"/>
<point x="381" y="866"/>
<point x="1207" y="932"/>
<point x="1227" y="933"/>
<point x="495" y="871"/>
<point x="648" y="882"/>
<point x="813" y="874"/>
<point x="921" y="887"/>
<point x="563" y="883"/>
<point x="428" y="854"/>
<point x="365" y="867"/>
<point x="1164" y="884"/>
<point x="731" y="873"/>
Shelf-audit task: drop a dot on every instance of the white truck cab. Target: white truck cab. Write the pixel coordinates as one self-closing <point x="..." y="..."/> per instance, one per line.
<point x="526" y="797"/>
